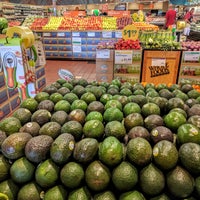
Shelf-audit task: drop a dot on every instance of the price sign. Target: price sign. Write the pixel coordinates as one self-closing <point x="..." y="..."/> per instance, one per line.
<point x="130" y="32"/>
<point x="60" y="34"/>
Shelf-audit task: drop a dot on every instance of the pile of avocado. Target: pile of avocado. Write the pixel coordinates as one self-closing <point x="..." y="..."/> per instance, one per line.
<point x="81" y="140"/>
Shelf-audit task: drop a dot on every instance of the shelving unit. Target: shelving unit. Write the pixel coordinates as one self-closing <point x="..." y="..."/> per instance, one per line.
<point x="128" y="70"/>
<point x="21" y="11"/>
<point x="74" y="44"/>
<point x="190" y="67"/>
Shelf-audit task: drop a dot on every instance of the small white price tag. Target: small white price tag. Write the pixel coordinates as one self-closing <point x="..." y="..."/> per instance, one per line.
<point x="77" y="48"/>
<point x="104" y="53"/>
<point x="158" y="62"/>
<point x="192" y="56"/>
<point x="75" y="34"/>
<point x="76" y="40"/>
<point x="118" y="34"/>
<point x="123" y="57"/>
<point x="107" y="34"/>
<point x="60" y="34"/>
<point x="46" y="34"/>
<point x="91" y="34"/>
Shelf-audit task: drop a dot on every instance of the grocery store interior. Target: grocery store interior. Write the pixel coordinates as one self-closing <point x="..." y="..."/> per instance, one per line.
<point x="99" y="99"/>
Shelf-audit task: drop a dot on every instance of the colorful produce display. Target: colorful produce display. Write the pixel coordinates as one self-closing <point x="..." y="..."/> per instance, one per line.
<point x="103" y="141"/>
<point x="191" y="46"/>
<point x="53" y="23"/>
<point x="123" y="21"/>
<point x="39" y="23"/>
<point x="14" y="23"/>
<point x="110" y="44"/>
<point x="159" y="40"/>
<point x="145" y="26"/>
<point x="109" y="23"/>
<point x="122" y="44"/>
<point x="88" y="23"/>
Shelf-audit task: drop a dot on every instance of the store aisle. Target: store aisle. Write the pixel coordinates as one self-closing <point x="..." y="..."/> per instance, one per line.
<point x="80" y="69"/>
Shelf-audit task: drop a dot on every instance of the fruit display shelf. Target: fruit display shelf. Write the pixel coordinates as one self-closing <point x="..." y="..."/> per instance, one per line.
<point x="75" y="44"/>
<point x="190" y="67"/>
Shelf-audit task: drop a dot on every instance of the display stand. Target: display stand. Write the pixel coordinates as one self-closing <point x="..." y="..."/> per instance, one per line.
<point x="21" y="75"/>
<point x="160" y="66"/>
<point x="190" y="67"/>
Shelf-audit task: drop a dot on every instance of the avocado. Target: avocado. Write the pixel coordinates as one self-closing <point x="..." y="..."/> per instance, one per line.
<point x="10" y="188"/>
<point x="85" y="150"/>
<point x="152" y="121"/>
<point x="63" y="91"/>
<point x="46" y="105"/>
<point x="41" y="96"/>
<point x="50" y="89"/>
<point x="2" y="137"/>
<point x="95" y="106"/>
<point x="80" y="194"/>
<point x="31" y="128"/>
<point x="106" y="195"/>
<point x="56" y="192"/>
<point x="30" y="191"/>
<point x="52" y="129"/>
<point x="180" y="183"/>
<point x="60" y="117"/>
<point x="194" y="110"/>
<point x="161" y="133"/>
<point x="152" y="180"/>
<point x="139" y="131"/>
<point x="38" y="147"/>
<point x="110" y="151"/>
<point x="62" y="148"/>
<point x="13" y="146"/>
<point x="97" y="176"/>
<point x="41" y="116"/>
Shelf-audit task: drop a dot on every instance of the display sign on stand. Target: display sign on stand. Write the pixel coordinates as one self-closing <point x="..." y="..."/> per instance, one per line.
<point x="130" y="32"/>
<point x="118" y="13"/>
<point x="160" y="66"/>
<point x="123" y="57"/>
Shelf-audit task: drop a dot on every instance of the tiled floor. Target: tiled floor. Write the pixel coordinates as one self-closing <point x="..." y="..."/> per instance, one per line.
<point x="80" y="69"/>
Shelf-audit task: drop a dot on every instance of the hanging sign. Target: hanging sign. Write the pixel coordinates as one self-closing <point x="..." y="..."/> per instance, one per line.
<point x="130" y="32"/>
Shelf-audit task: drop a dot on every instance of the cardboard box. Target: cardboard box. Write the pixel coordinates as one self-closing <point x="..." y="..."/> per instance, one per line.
<point x="2" y="80"/>
<point x="104" y="77"/>
<point x="104" y="55"/>
<point x="104" y="67"/>
<point x="3" y="96"/>
<point x="15" y="102"/>
<point x="4" y="111"/>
